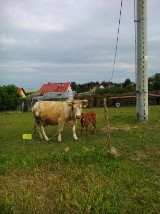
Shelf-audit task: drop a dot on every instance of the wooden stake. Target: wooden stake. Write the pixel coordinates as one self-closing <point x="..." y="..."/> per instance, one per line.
<point x="107" y="124"/>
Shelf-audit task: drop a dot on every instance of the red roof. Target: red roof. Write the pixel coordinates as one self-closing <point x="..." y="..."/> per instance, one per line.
<point x="19" y="90"/>
<point x="57" y="87"/>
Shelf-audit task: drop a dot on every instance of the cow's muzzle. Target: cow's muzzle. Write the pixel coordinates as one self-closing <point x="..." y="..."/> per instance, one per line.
<point x="78" y="116"/>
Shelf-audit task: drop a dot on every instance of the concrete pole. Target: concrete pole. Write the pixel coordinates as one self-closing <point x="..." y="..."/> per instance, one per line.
<point x="141" y="61"/>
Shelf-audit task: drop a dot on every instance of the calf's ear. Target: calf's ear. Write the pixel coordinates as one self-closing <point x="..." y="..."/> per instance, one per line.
<point x="84" y="103"/>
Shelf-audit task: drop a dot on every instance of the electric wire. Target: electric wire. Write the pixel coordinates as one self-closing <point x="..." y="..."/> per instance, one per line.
<point x="135" y="32"/>
<point x="115" y="55"/>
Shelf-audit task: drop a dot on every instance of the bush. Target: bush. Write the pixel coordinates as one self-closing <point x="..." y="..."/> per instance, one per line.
<point x="9" y="97"/>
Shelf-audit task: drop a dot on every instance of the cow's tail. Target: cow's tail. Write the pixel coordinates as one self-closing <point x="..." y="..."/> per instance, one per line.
<point x="34" y="127"/>
<point x="36" y="122"/>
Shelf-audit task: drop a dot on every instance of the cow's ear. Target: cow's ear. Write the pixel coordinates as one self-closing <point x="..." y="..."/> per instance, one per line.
<point x="70" y="103"/>
<point x="84" y="103"/>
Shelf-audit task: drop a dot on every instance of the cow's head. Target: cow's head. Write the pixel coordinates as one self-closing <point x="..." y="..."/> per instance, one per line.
<point x="77" y="107"/>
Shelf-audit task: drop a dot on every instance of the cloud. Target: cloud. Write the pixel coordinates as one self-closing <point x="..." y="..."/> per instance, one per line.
<point x="73" y="40"/>
<point x="40" y="26"/>
<point x="11" y="41"/>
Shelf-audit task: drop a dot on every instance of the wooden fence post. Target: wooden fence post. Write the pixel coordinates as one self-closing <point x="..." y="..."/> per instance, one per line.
<point x="107" y="124"/>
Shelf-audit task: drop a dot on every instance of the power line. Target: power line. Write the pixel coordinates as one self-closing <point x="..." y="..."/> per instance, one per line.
<point x="135" y="34"/>
<point x="115" y="55"/>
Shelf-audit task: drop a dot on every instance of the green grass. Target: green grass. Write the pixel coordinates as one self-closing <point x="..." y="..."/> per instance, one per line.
<point x="81" y="176"/>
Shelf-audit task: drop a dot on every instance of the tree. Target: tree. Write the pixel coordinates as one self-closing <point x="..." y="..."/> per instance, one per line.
<point x="127" y="82"/>
<point x="157" y="81"/>
<point x="9" y="97"/>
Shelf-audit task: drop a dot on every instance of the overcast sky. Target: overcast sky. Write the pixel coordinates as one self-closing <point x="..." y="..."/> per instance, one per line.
<point x="72" y="40"/>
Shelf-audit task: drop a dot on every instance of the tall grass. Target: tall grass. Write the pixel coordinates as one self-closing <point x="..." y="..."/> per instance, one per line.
<point x="81" y="176"/>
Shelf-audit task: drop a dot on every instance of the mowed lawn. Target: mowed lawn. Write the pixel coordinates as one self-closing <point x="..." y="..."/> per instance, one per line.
<point x="75" y="177"/>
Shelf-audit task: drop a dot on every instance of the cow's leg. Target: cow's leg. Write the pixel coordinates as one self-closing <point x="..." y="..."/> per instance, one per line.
<point x="72" y="124"/>
<point x="60" y="129"/>
<point x="42" y="133"/>
<point x="38" y="123"/>
<point x="74" y="132"/>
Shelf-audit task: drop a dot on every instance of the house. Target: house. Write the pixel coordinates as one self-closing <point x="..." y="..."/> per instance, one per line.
<point x="54" y="91"/>
<point x="93" y="90"/>
<point x="55" y="87"/>
<point x="22" y="92"/>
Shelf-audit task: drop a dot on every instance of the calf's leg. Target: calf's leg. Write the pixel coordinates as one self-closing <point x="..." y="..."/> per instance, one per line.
<point x="82" y="125"/>
<point x="95" y="129"/>
<point x="86" y="130"/>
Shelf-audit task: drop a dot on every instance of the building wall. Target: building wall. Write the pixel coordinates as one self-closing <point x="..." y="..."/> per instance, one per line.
<point x="69" y="88"/>
<point x="23" y="94"/>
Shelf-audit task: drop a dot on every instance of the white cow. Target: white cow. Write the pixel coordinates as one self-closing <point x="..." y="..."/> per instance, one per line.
<point x="57" y="113"/>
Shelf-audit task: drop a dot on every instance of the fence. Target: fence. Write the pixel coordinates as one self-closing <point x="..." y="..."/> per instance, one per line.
<point x="117" y="101"/>
<point x="96" y="101"/>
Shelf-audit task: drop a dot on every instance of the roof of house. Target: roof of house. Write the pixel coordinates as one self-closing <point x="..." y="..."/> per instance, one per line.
<point x="22" y="92"/>
<point x="51" y="87"/>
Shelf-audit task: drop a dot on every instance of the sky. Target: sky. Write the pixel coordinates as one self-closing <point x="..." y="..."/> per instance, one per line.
<point x="72" y="41"/>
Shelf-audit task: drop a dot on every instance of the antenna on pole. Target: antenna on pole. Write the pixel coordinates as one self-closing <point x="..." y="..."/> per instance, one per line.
<point x="141" y="61"/>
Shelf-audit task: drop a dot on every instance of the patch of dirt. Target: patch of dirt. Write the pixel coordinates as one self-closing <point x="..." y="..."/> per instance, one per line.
<point x="125" y="128"/>
<point x="139" y="155"/>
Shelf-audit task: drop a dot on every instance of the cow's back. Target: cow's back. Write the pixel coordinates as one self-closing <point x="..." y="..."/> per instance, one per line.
<point x="51" y="112"/>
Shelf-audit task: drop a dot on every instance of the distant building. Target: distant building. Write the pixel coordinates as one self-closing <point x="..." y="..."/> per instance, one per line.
<point x="22" y="92"/>
<point x="55" y="87"/>
<point x="93" y="90"/>
<point x="101" y="87"/>
<point x="54" y="91"/>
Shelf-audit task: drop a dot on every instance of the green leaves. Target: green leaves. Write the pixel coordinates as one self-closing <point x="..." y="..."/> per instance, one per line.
<point x="9" y="96"/>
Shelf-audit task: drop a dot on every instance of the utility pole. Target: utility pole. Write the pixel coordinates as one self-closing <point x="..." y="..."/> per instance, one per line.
<point x="141" y="61"/>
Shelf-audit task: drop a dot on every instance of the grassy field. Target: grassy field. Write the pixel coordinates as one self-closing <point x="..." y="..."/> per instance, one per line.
<point x="76" y="177"/>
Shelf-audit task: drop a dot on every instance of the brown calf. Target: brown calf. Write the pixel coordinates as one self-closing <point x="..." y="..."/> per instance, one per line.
<point x="86" y="119"/>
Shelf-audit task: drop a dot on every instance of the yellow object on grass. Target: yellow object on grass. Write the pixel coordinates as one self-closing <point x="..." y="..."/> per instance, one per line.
<point x="27" y="136"/>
